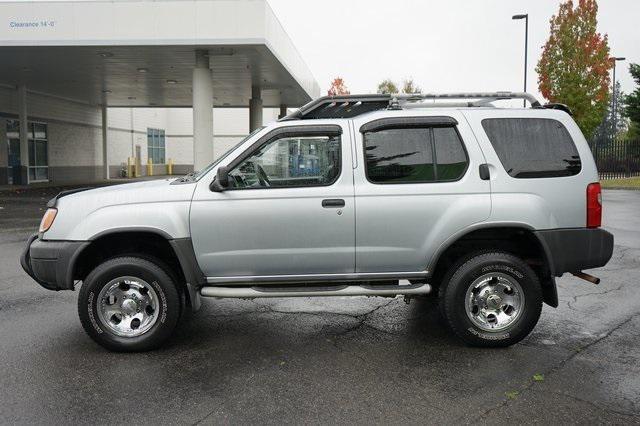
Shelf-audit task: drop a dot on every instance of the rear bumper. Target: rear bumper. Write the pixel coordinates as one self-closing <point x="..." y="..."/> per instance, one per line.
<point x="50" y="263"/>
<point x="572" y="250"/>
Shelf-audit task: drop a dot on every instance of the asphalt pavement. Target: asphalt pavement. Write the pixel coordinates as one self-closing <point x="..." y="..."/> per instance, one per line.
<point x="324" y="360"/>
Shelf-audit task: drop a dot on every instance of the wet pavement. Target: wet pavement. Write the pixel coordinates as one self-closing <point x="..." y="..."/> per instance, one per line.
<point x="325" y="360"/>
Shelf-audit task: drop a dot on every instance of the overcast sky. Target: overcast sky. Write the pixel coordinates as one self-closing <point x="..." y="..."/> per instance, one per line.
<point x="452" y="45"/>
<point x="444" y="45"/>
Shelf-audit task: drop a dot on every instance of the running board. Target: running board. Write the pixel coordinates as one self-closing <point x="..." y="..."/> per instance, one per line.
<point x="342" y="290"/>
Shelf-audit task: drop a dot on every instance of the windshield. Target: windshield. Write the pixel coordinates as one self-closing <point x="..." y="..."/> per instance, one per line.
<point x="198" y="174"/>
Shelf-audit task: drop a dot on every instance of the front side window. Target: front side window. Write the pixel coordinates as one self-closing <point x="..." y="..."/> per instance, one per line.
<point x="414" y="155"/>
<point x="200" y="173"/>
<point x="533" y="147"/>
<point x="290" y="161"/>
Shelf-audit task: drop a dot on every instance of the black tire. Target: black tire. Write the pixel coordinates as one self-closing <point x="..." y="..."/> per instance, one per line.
<point x="165" y="288"/>
<point x="453" y="293"/>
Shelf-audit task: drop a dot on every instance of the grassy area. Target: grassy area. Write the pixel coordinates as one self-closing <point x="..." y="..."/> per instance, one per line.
<point x="624" y="183"/>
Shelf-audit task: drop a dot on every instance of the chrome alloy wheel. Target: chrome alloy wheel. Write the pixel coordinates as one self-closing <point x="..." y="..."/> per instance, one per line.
<point x="128" y="306"/>
<point x="494" y="301"/>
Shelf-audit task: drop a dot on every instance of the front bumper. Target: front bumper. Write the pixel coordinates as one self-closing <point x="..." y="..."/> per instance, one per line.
<point x="50" y="263"/>
<point x="572" y="250"/>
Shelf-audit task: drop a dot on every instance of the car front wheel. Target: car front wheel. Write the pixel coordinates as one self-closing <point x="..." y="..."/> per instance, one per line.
<point x="129" y="304"/>
<point x="491" y="299"/>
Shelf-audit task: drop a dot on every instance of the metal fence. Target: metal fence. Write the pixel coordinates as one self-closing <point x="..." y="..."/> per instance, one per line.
<point x="618" y="158"/>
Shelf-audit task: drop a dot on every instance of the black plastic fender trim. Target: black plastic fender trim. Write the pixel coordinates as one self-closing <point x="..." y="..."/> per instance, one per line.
<point x="195" y="279"/>
<point x="575" y="249"/>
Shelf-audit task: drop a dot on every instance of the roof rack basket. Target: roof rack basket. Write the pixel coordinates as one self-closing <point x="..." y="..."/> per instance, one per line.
<point x="348" y="106"/>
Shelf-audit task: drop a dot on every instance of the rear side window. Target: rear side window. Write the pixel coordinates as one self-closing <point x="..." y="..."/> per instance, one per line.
<point x="399" y="155"/>
<point x="533" y="147"/>
<point x="450" y="156"/>
<point x="414" y="155"/>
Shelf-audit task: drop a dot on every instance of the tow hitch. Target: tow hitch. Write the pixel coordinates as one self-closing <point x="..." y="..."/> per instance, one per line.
<point x="586" y="277"/>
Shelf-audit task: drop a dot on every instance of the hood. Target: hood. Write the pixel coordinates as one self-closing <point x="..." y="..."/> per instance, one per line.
<point x="158" y="190"/>
<point x="132" y="203"/>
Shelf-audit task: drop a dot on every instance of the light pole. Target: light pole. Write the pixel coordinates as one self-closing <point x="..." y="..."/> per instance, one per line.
<point x="526" y="42"/>
<point x="614" y="101"/>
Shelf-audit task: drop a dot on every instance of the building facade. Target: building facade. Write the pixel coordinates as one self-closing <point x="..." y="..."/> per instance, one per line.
<point x="88" y="87"/>
<point x="65" y="138"/>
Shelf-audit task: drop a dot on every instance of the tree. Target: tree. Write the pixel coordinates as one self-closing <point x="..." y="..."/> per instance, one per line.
<point x="387" y="86"/>
<point x="338" y="88"/>
<point x="409" y="87"/>
<point x="632" y="101"/>
<point x="605" y="132"/>
<point x="575" y="63"/>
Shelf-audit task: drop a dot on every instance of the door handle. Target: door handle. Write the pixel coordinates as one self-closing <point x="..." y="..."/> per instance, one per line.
<point x="484" y="171"/>
<point x="333" y="202"/>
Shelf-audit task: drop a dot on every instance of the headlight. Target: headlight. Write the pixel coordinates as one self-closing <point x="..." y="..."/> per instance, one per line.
<point x="47" y="219"/>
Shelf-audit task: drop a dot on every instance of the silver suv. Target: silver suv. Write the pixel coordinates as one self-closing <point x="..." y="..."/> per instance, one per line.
<point x="375" y="195"/>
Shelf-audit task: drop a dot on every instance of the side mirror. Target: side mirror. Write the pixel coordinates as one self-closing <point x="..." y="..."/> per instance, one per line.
<point x="221" y="182"/>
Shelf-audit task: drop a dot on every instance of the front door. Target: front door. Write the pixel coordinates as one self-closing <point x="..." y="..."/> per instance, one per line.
<point x="289" y="209"/>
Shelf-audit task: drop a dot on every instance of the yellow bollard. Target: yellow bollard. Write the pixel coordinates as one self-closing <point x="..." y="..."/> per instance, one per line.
<point x="170" y="167"/>
<point x="149" y="167"/>
<point x="129" y="168"/>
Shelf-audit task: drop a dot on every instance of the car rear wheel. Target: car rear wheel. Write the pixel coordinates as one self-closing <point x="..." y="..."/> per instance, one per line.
<point x="129" y="304"/>
<point x="491" y="299"/>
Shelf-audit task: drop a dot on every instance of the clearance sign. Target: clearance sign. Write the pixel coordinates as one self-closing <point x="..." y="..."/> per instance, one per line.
<point x="32" y="24"/>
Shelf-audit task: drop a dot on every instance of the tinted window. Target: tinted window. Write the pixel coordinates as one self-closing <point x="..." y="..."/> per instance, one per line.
<point x="407" y="155"/>
<point x="290" y="162"/>
<point x="399" y="155"/>
<point x="450" y="155"/>
<point x="533" y="147"/>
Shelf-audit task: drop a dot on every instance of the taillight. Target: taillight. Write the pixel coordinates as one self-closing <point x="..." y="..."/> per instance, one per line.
<point x="47" y="220"/>
<point x="594" y="205"/>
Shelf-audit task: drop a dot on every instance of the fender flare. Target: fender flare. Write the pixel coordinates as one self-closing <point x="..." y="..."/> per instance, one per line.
<point x="182" y="248"/>
<point x="549" y="287"/>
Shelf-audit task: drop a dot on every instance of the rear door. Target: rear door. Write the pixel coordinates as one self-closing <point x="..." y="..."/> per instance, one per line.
<point x="417" y="183"/>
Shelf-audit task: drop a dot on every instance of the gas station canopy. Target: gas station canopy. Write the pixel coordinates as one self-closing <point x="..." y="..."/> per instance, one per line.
<point x="143" y="53"/>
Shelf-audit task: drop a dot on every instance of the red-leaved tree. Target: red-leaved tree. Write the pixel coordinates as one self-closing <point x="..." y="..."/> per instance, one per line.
<point x="338" y="87"/>
<point x="574" y="66"/>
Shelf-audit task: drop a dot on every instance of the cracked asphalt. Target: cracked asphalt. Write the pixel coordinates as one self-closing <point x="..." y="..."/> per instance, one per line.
<point x="325" y="360"/>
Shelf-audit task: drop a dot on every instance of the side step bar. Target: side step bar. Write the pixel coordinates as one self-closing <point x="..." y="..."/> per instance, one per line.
<point x="342" y="290"/>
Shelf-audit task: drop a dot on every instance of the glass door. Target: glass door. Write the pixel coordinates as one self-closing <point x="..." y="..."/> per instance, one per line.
<point x="13" y="152"/>
<point x="38" y="155"/>
<point x="38" y="152"/>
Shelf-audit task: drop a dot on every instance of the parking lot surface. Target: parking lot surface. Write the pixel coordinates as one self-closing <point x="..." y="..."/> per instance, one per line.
<point x="324" y="360"/>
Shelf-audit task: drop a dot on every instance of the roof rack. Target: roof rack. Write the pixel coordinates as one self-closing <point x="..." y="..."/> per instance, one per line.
<point x="348" y="106"/>
<point x="561" y="107"/>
